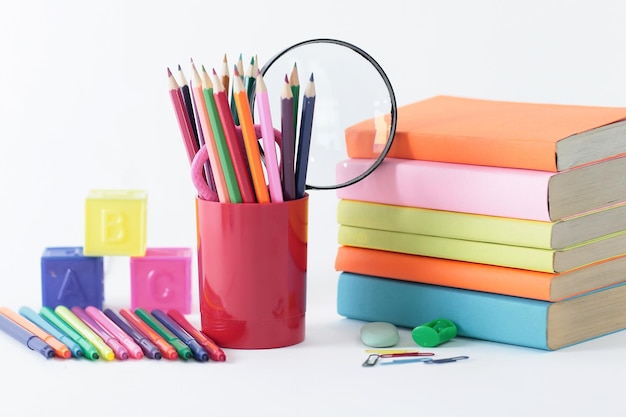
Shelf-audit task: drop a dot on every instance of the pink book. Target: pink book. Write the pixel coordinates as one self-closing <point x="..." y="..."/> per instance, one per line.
<point x="495" y="191"/>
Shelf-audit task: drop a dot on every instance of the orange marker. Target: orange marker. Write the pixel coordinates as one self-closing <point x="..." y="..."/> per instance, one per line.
<point x="60" y="349"/>
<point x="166" y="349"/>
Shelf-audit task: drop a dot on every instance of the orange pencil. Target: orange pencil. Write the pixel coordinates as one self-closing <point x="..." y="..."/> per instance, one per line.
<point x="60" y="349"/>
<point x="249" y="139"/>
<point x="209" y="140"/>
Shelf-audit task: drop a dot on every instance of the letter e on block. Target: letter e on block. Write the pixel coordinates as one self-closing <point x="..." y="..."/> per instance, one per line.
<point x="161" y="279"/>
<point x="115" y="223"/>
<point x="70" y="278"/>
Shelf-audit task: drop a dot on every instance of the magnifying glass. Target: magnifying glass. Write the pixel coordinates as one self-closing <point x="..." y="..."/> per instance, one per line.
<point x="352" y="94"/>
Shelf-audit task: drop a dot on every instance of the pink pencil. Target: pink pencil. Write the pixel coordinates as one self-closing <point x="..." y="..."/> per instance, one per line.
<point x="269" y="146"/>
<point x="182" y="117"/>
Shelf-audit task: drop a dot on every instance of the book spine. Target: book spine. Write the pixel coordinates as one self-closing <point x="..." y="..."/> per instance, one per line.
<point x="437" y="271"/>
<point x="478" y="315"/>
<point x="461" y="250"/>
<point x="504" y="192"/>
<point x="455" y="225"/>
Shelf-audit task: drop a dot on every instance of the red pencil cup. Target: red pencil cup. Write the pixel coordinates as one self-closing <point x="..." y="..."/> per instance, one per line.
<point x="252" y="262"/>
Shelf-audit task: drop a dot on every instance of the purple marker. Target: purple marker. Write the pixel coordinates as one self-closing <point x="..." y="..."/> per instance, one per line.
<point x="119" y="350"/>
<point x="149" y="349"/>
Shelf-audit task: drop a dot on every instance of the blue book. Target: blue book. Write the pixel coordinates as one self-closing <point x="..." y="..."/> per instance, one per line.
<point x="480" y="315"/>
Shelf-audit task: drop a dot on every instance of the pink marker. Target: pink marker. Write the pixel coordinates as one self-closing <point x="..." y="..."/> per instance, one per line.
<point x="119" y="350"/>
<point x="133" y="348"/>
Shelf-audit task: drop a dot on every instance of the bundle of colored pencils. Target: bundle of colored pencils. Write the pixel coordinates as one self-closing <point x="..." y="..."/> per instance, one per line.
<point x="239" y="169"/>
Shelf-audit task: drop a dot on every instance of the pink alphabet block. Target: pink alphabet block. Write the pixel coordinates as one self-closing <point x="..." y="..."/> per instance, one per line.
<point x="161" y="279"/>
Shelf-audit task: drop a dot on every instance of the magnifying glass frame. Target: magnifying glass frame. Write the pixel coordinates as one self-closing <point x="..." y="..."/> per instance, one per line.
<point x="392" y="98"/>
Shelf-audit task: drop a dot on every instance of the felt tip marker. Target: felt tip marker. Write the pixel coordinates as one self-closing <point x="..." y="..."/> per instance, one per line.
<point x="35" y="318"/>
<point x="71" y="319"/>
<point x="120" y="351"/>
<point x="61" y="350"/>
<point x="165" y="348"/>
<point x="199" y="353"/>
<point x="215" y="352"/>
<point x="147" y="347"/>
<point x="25" y="337"/>
<point x="132" y="348"/>
<point x="182" y="349"/>
<point x="51" y="317"/>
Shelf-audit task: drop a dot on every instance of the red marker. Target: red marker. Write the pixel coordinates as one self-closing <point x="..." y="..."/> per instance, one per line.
<point x="166" y="349"/>
<point x="215" y="352"/>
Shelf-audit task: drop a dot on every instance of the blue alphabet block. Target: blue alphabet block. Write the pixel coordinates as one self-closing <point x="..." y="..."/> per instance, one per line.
<point x="71" y="279"/>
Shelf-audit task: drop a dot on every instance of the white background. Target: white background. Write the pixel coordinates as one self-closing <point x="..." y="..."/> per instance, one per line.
<point x="84" y="104"/>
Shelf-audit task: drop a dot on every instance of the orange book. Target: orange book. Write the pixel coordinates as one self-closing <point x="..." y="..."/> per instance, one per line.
<point x="545" y="137"/>
<point x="481" y="277"/>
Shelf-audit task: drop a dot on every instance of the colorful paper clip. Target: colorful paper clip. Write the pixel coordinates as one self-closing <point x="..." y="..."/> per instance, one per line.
<point x="372" y="359"/>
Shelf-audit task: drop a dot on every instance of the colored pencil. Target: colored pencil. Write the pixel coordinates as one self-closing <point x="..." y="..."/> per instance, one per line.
<point x="294" y="83"/>
<point x="184" y="89"/>
<point x="250" y="78"/>
<point x="235" y="145"/>
<point x="208" y="174"/>
<point x="269" y="146"/>
<point x="233" y="106"/>
<point x="304" y="139"/>
<point x="214" y="161"/>
<point x="181" y="116"/>
<point x="287" y="152"/>
<point x="250" y="139"/>
<point x="220" y="140"/>
<point x="225" y="76"/>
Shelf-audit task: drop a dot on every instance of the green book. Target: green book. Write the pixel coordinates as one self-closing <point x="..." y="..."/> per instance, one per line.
<point x="476" y="227"/>
<point x="535" y="259"/>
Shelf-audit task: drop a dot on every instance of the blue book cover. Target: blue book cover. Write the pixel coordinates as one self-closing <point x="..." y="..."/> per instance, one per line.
<point x="480" y="315"/>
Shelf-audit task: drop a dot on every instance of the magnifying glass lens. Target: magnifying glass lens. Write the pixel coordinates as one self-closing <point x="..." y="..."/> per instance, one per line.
<point x="354" y="105"/>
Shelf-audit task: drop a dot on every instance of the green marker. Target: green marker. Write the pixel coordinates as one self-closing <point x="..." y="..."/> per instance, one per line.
<point x="51" y="317"/>
<point x="183" y="350"/>
<point x="96" y="341"/>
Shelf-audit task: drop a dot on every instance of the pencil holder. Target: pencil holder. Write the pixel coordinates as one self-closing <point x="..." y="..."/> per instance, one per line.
<point x="252" y="264"/>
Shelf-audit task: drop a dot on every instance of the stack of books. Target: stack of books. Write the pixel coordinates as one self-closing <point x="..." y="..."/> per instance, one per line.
<point x="507" y="218"/>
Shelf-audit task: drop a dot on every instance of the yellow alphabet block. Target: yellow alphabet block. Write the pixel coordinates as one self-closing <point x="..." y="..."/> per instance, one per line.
<point x="115" y="223"/>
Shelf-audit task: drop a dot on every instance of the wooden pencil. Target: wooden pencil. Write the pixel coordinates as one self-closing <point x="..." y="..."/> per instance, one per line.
<point x="250" y="139"/>
<point x="184" y="89"/>
<point x="233" y="106"/>
<point x="220" y="140"/>
<point x="287" y="152"/>
<point x="235" y="145"/>
<point x="294" y="83"/>
<point x="250" y="78"/>
<point x="268" y="138"/>
<point x="215" y="164"/>
<point x="304" y="138"/>
<point x="224" y="74"/>
<point x="181" y="116"/>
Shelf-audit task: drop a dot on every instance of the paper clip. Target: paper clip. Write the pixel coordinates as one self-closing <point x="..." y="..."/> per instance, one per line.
<point x="405" y="354"/>
<point x="371" y="360"/>
<point x="446" y="360"/>
<point x="401" y="361"/>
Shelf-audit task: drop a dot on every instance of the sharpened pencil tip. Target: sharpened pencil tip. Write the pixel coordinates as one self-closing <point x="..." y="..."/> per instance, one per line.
<point x="214" y="72"/>
<point x="235" y="70"/>
<point x="311" y="78"/>
<point x="224" y="59"/>
<point x="169" y="73"/>
<point x="286" y="79"/>
<point x="179" y="67"/>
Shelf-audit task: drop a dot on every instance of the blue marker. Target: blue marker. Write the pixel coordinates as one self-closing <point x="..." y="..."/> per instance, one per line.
<point x="36" y="319"/>
<point x="25" y="337"/>
<point x="149" y="349"/>
<point x="199" y="353"/>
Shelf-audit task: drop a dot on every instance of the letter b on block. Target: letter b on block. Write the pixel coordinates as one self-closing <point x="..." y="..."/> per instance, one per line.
<point x="115" y="223"/>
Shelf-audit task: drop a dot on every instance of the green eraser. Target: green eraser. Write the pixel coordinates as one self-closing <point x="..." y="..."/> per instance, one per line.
<point x="379" y="334"/>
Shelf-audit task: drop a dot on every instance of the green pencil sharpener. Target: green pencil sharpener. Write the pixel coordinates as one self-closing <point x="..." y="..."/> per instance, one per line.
<point x="434" y="333"/>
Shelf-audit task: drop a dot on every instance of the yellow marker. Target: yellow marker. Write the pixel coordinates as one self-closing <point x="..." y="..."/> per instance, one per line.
<point x="96" y="341"/>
